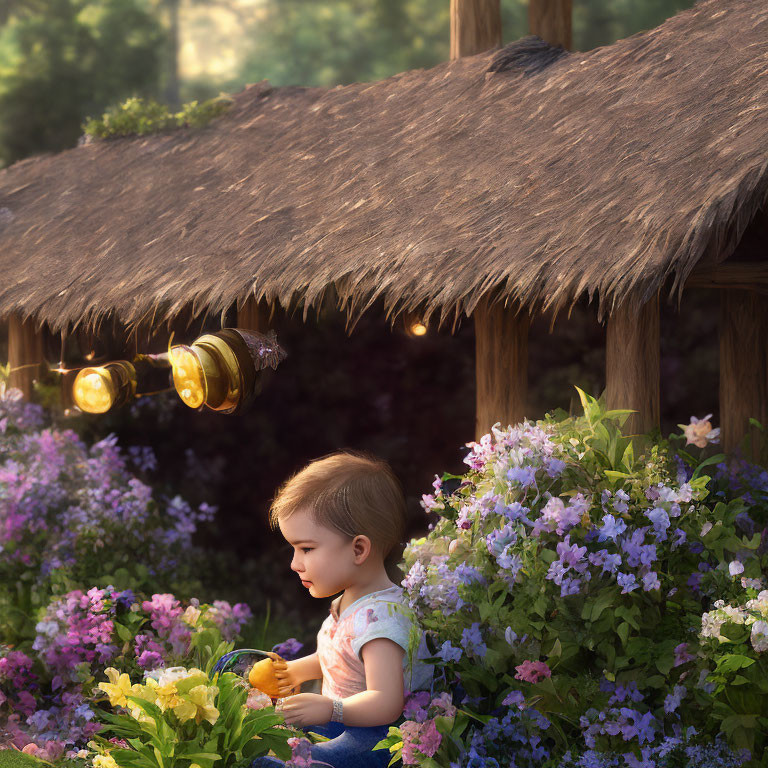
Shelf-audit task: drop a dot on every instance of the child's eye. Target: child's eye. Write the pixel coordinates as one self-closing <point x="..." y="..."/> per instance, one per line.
<point x="306" y="549"/>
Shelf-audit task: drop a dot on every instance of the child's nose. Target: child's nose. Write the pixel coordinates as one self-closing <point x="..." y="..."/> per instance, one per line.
<point x="296" y="564"/>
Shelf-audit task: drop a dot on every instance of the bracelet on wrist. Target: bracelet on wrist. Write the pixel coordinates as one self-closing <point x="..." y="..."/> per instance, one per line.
<point x="337" y="716"/>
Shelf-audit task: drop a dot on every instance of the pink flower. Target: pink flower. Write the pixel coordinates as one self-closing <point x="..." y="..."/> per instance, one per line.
<point x="419" y="740"/>
<point x="699" y="432"/>
<point x="532" y="671"/>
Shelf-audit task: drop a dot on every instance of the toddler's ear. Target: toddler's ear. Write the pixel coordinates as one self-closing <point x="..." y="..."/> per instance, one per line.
<point x="361" y="547"/>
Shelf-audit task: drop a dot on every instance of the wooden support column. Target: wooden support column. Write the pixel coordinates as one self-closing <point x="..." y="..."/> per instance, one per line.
<point x="551" y="20"/>
<point x="743" y="366"/>
<point x="25" y="353"/>
<point x="632" y="363"/>
<point x="475" y="26"/>
<point x="501" y="334"/>
<point x="253" y="315"/>
<point x="501" y="366"/>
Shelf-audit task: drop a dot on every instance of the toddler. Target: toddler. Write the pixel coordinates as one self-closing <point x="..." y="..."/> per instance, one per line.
<point x="344" y="516"/>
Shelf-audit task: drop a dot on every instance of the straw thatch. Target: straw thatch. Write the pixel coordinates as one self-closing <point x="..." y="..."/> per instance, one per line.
<point x="532" y="173"/>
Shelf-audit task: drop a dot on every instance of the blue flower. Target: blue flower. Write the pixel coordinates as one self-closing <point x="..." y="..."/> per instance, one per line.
<point x="627" y="582"/>
<point x="472" y="641"/>
<point x="526" y="475"/>
<point x="612" y="527"/>
<point x="651" y="581"/>
<point x="660" y="520"/>
<point x="448" y="653"/>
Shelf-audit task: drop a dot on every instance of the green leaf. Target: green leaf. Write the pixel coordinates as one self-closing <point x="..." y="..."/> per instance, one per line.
<point x="623" y="632"/>
<point x="716" y="459"/>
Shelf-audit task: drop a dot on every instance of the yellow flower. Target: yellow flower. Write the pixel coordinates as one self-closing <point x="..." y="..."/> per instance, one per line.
<point x="167" y="696"/>
<point x="104" y="761"/>
<point x="190" y="616"/>
<point x="198" y="703"/>
<point x="118" y="687"/>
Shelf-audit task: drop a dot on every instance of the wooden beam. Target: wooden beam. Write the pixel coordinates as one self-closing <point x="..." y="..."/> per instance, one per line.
<point x="743" y="275"/>
<point x="475" y="26"/>
<point x="632" y="363"/>
<point x="501" y="366"/>
<point x="551" y="20"/>
<point x="25" y="354"/>
<point x="743" y="366"/>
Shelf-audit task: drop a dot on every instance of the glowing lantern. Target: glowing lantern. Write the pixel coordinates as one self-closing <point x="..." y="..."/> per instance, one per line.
<point x="96" y="390"/>
<point x="222" y="370"/>
<point x="415" y="325"/>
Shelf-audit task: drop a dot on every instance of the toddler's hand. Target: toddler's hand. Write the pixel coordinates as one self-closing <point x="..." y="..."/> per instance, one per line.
<point x="306" y="709"/>
<point x="287" y="679"/>
<point x="266" y="676"/>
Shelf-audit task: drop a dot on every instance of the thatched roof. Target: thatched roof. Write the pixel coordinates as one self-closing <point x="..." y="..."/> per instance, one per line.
<point x="537" y="175"/>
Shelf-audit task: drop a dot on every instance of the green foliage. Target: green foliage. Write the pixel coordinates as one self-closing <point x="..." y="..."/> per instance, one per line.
<point x="63" y="59"/>
<point x="137" y="117"/>
<point x="11" y="758"/>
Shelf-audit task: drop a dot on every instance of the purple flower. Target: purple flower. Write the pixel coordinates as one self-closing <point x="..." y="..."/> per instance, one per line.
<point x="672" y="701"/>
<point x="525" y="476"/>
<point x="660" y="521"/>
<point x="651" y="581"/>
<point x="416" y="706"/>
<point x="553" y="466"/>
<point x="472" y="641"/>
<point x="609" y="561"/>
<point x="612" y="528"/>
<point x="448" y="653"/>
<point x="627" y="582"/>
<point x="289" y="649"/>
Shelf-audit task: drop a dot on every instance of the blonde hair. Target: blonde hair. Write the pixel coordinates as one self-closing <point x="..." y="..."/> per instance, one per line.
<point x="353" y="493"/>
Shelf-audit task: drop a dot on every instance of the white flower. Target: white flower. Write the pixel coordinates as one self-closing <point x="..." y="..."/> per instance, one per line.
<point x="760" y="636"/>
<point x="706" y="528"/>
<point x="736" y="567"/>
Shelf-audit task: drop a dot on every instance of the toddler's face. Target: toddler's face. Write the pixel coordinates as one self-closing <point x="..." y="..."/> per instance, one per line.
<point x="323" y="558"/>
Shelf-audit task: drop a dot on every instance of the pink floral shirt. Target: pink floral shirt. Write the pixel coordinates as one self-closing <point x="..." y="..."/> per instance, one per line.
<point x="341" y="638"/>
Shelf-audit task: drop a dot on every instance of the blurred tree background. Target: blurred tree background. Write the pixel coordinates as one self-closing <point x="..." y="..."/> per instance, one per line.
<point x="409" y="400"/>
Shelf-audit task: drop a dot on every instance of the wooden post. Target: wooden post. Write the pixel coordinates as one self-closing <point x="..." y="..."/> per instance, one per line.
<point x="501" y="339"/>
<point x="253" y="315"/>
<point x="632" y="363"/>
<point x="475" y="26"/>
<point x="743" y="366"/>
<point x="501" y="333"/>
<point x="501" y="366"/>
<point x="551" y="21"/>
<point x="25" y="353"/>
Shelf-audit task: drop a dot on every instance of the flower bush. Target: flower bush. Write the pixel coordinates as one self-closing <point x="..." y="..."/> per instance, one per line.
<point x="73" y="516"/>
<point x="46" y="693"/>
<point x="185" y="714"/>
<point x="562" y="587"/>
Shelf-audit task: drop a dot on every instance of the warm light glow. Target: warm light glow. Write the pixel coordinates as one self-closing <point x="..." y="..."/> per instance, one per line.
<point x="188" y="376"/>
<point x="418" y="329"/>
<point x="94" y="390"/>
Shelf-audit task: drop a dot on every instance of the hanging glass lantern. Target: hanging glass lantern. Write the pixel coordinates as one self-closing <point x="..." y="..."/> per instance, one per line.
<point x="222" y="370"/>
<point x="97" y="389"/>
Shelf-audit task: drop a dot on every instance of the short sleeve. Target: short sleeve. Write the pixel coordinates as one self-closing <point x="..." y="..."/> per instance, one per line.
<point x="382" y="619"/>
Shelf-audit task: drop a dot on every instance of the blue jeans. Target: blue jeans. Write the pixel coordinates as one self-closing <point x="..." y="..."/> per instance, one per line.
<point x="348" y="747"/>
